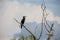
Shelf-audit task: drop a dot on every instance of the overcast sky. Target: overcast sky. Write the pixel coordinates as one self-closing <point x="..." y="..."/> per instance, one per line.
<point x="10" y="9"/>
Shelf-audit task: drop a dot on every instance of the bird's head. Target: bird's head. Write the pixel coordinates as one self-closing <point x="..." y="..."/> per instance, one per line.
<point x="24" y="16"/>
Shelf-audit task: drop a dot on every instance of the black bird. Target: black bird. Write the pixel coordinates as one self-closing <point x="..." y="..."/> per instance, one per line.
<point x="22" y="21"/>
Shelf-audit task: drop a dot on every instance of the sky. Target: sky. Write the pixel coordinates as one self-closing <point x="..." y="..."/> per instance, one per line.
<point x="10" y="9"/>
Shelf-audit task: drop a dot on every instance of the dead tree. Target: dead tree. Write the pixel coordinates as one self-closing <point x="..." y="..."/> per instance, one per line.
<point x="44" y="23"/>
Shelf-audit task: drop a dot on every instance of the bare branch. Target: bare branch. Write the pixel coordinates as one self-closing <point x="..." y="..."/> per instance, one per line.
<point x="51" y="28"/>
<point x="46" y="28"/>
<point x="41" y="32"/>
<point x="50" y="35"/>
<point x="27" y="29"/>
<point x="42" y="21"/>
<point x="17" y="21"/>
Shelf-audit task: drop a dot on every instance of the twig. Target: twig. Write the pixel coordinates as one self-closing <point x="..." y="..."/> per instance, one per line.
<point x="42" y="21"/>
<point x="46" y="28"/>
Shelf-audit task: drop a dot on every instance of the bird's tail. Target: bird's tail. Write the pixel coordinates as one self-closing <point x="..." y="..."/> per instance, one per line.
<point x="21" y="26"/>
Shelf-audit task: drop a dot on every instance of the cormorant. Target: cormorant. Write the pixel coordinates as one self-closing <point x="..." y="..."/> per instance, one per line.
<point x="22" y="21"/>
